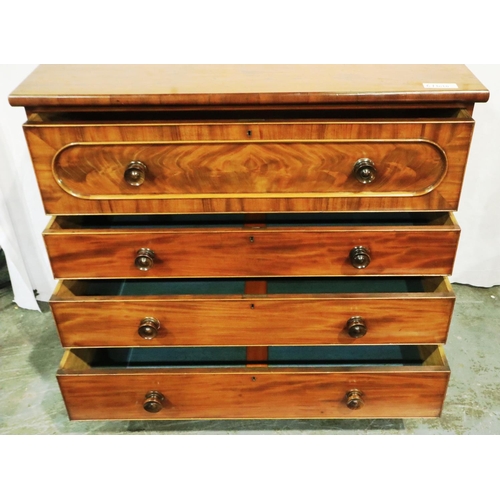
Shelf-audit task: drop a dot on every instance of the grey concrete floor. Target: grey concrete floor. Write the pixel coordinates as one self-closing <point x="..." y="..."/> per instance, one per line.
<point x="30" y="402"/>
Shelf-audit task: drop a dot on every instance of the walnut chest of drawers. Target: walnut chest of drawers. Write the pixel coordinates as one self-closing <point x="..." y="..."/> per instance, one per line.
<point x="251" y="241"/>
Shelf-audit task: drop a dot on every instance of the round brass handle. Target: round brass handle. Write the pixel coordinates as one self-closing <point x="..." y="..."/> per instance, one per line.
<point x="135" y="173"/>
<point x="145" y="259"/>
<point x="354" y="399"/>
<point x="360" y="257"/>
<point x="364" y="170"/>
<point x="148" y="328"/>
<point x="153" y="401"/>
<point x="356" y="327"/>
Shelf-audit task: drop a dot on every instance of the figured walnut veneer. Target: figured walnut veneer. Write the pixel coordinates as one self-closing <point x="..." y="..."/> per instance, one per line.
<point x="219" y="168"/>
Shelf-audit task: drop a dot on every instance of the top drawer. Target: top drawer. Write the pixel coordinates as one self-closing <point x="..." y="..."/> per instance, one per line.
<point x="210" y="166"/>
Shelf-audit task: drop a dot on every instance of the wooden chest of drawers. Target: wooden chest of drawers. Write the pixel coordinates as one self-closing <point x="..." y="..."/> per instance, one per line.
<point x="251" y="241"/>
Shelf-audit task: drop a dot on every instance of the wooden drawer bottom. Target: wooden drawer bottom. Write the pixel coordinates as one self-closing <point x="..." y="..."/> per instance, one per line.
<point x="215" y="383"/>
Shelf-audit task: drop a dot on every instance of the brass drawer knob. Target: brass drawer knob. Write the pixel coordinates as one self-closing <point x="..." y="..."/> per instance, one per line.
<point x="153" y="401"/>
<point x="135" y="173"/>
<point x="145" y="259"/>
<point x="356" y="327"/>
<point x="354" y="400"/>
<point x="364" y="170"/>
<point x="360" y="257"/>
<point x="148" y="328"/>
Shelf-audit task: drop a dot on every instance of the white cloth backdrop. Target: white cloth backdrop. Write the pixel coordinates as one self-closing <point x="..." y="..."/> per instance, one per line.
<point x="478" y="257"/>
<point x="22" y="219"/>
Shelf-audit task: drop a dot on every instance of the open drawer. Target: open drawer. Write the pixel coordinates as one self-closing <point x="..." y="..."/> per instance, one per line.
<point x="313" y="382"/>
<point x="230" y="246"/>
<point x="330" y="160"/>
<point x="324" y="311"/>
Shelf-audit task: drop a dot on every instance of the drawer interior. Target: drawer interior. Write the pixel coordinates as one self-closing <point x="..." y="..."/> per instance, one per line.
<point x="277" y="220"/>
<point x="278" y="357"/>
<point x="237" y="114"/>
<point x="195" y="287"/>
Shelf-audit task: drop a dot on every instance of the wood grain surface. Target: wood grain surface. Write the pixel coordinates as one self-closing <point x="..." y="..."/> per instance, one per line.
<point x="388" y="392"/>
<point x="256" y="354"/>
<point x="252" y="252"/>
<point x="252" y="319"/>
<point x="421" y="164"/>
<point x="157" y="85"/>
<point x="259" y="169"/>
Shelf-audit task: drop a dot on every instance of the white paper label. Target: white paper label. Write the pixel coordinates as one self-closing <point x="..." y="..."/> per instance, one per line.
<point x="440" y="86"/>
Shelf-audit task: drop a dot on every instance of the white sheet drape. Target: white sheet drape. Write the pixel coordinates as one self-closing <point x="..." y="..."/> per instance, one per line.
<point x="478" y="256"/>
<point x="22" y="219"/>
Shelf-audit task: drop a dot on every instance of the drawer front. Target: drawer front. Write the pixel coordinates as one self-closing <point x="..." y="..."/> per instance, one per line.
<point x="252" y="167"/>
<point x="250" y="170"/>
<point x="252" y="252"/>
<point x="231" y="393"/>
<point x="289" y="312"/>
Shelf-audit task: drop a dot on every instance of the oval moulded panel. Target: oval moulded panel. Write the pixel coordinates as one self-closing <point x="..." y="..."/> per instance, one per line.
<point x="282" y="169"/>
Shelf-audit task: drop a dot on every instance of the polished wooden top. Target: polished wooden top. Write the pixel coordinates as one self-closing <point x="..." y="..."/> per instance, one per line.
<point x="188" y="85"/>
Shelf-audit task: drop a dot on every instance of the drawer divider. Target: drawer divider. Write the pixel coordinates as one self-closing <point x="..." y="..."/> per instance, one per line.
<point x="256" y="355"/>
